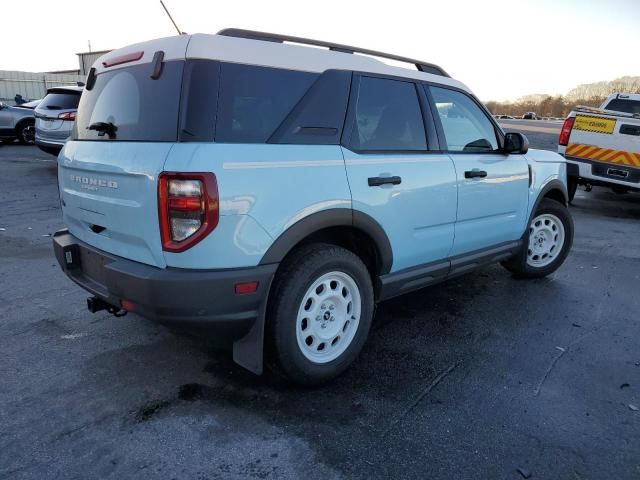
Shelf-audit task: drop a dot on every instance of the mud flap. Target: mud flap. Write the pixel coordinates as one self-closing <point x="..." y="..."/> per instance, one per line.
<point x="248" y="352"/>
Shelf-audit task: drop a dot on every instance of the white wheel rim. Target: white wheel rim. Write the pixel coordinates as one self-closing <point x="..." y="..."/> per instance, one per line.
<point x="328" y="317"/>
<point x="546" y="239"/>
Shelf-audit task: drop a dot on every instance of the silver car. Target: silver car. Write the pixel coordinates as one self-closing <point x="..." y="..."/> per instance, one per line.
<point x="17" y="122"/>
<point x="55" y="116"/>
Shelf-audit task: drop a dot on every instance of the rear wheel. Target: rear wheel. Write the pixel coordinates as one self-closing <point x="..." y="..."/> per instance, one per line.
<point x="320" y="313"/>
<point x="547" y="242"/>
<point x="27" y="133"/>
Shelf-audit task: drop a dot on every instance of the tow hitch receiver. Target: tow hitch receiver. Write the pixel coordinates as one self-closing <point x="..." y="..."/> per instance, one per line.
<point x="95" y="304"/>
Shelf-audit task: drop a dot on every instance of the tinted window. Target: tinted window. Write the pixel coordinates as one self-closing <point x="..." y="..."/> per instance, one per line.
<point x="142" y="109"/>
<point x="388" y="116"/>
<point x="60" y="101"/>
<point x="466" y="127"/>
<point x="200" y="100"/>
<point x="255" y="100"/>
<point x="623" y="105"/>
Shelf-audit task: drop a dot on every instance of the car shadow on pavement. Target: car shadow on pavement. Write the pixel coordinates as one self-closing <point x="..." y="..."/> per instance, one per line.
<point x="415" y="343"/>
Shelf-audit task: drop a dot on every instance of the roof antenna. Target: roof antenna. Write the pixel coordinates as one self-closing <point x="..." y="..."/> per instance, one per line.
<point x="171" y="18"/>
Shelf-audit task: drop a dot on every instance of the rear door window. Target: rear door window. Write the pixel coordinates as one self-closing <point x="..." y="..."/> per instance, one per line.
<point x="388" y="117"/>
<point x="466" y="127"/>
<point x="141" y="108"/>
<point x="255" y="100"/>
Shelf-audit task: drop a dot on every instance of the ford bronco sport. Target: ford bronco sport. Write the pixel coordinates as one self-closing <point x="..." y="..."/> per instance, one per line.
<point x="275" y="192"/>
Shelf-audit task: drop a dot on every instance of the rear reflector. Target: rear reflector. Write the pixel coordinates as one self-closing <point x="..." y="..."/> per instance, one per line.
<point x="247" y="287"/>
<point x="187" y="208"/>
<point x="565" y="133"/>
<point x="129" y="57"/>
<point x="127" y="305"/>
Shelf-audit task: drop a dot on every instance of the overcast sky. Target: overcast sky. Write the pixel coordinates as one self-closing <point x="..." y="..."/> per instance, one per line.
<point x="502" y="49"/>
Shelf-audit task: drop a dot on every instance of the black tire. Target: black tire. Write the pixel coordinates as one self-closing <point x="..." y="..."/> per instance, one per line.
<point x="519" y="264"/>
<point x="572" y="187"/>
<point x="26" y="132"/>
<point x="294" y="278"/>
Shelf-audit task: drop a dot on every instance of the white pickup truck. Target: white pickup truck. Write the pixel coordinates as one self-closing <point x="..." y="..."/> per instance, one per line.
<point x="602" y="145"/>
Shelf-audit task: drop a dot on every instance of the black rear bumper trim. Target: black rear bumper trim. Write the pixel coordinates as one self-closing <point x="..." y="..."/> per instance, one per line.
<point x="202" y="298"/>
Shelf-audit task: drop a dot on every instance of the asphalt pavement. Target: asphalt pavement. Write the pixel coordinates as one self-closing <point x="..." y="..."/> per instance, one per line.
<point x="482" y="377"/>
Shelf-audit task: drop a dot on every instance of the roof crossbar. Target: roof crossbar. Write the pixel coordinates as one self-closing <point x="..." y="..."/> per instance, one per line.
<point x="277" y="38"/>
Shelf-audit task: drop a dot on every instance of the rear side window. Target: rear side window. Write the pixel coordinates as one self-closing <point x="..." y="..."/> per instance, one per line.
<point x="388" y="117"/>
<point x="255" y="100"/>
<point x="59" y="100"/>
<point x="140" y="108"/>
<point x="466" y="127"/>
<point x="624" y="105"/>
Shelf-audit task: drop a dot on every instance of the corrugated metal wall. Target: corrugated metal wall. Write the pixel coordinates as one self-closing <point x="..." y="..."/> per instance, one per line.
<point x="32" y="85"/>
<point x="86" y="60"/>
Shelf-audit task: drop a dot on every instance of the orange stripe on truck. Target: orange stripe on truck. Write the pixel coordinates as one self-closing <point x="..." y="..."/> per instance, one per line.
<point x="603" y="154"/>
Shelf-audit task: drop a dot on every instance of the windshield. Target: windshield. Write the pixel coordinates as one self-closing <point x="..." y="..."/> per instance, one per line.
<point x="60" y="101"/>
<point x="624" y="105"/>
<point x="131" y="105"/>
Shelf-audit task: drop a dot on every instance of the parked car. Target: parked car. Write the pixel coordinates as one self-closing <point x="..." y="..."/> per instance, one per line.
<point x="273" y="193"/>
<point x="505" y="117"/>
<point x="16" y="123"/>
<point x="529" y="116"/>
<point x="55" y="116"/>
<point x="602" y="145"/>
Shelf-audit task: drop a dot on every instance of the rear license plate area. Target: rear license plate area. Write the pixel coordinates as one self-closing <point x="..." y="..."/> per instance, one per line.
<point x="616" y="172"/>
<point x="93" y="265"/>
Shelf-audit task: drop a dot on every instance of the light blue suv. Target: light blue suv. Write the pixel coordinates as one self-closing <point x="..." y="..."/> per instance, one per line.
<point x="272" y="193"/>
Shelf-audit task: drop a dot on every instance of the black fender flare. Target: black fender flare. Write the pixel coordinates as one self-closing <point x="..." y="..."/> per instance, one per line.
<point x="334" y="217"/>
<point x="554" y="184"/>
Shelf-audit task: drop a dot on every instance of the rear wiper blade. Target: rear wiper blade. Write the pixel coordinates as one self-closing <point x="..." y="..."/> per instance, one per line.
<point x="104" y="127"/>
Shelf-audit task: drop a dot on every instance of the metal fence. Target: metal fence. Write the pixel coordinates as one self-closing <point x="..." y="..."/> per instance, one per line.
<point x="32" y="85"/>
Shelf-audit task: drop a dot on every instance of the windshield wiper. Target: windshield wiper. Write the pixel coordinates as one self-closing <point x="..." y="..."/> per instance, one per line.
<point x="104" y="127"/>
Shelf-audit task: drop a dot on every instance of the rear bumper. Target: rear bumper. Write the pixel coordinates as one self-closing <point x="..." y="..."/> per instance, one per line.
<point x="41" y="142"/>
<point x="603" y="174"/>
<point x="200" y="298"/>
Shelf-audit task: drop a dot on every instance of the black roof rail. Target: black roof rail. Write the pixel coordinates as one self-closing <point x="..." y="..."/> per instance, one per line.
<point x="277" y="38"/>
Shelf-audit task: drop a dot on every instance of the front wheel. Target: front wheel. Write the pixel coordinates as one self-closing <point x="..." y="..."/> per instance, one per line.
<point x="320" y="313"/>
<point x="547" y="242"/>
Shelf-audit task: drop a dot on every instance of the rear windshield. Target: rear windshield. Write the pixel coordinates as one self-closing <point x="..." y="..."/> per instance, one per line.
<point x="60" y="101"/>
<point x="139" y="107"/>
<point x="624" y="105"/>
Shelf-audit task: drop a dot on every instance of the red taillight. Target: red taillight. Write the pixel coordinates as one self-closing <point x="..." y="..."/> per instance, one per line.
<point x="129" y="57"/>
<point x="565" y="133"/>
<point x="187" y="208"/>
<point x="71" y="116"/>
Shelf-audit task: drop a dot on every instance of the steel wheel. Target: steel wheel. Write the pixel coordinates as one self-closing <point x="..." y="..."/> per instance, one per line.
<point x="546" y="239"/>
<point x="328" y="317"/>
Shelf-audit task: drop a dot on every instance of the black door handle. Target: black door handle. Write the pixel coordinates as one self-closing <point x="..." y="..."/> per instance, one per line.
<point x="475" y="174"/>
<point x="377" y="181"/>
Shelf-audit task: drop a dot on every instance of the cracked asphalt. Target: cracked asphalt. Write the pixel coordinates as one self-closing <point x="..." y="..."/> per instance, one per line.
<point x="482" y="377"/>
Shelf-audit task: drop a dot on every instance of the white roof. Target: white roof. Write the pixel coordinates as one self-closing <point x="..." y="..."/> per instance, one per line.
<point x="267" y="54"/>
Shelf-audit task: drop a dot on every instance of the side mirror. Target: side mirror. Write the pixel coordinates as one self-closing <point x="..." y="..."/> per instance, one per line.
<point x="515" y="143"/>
